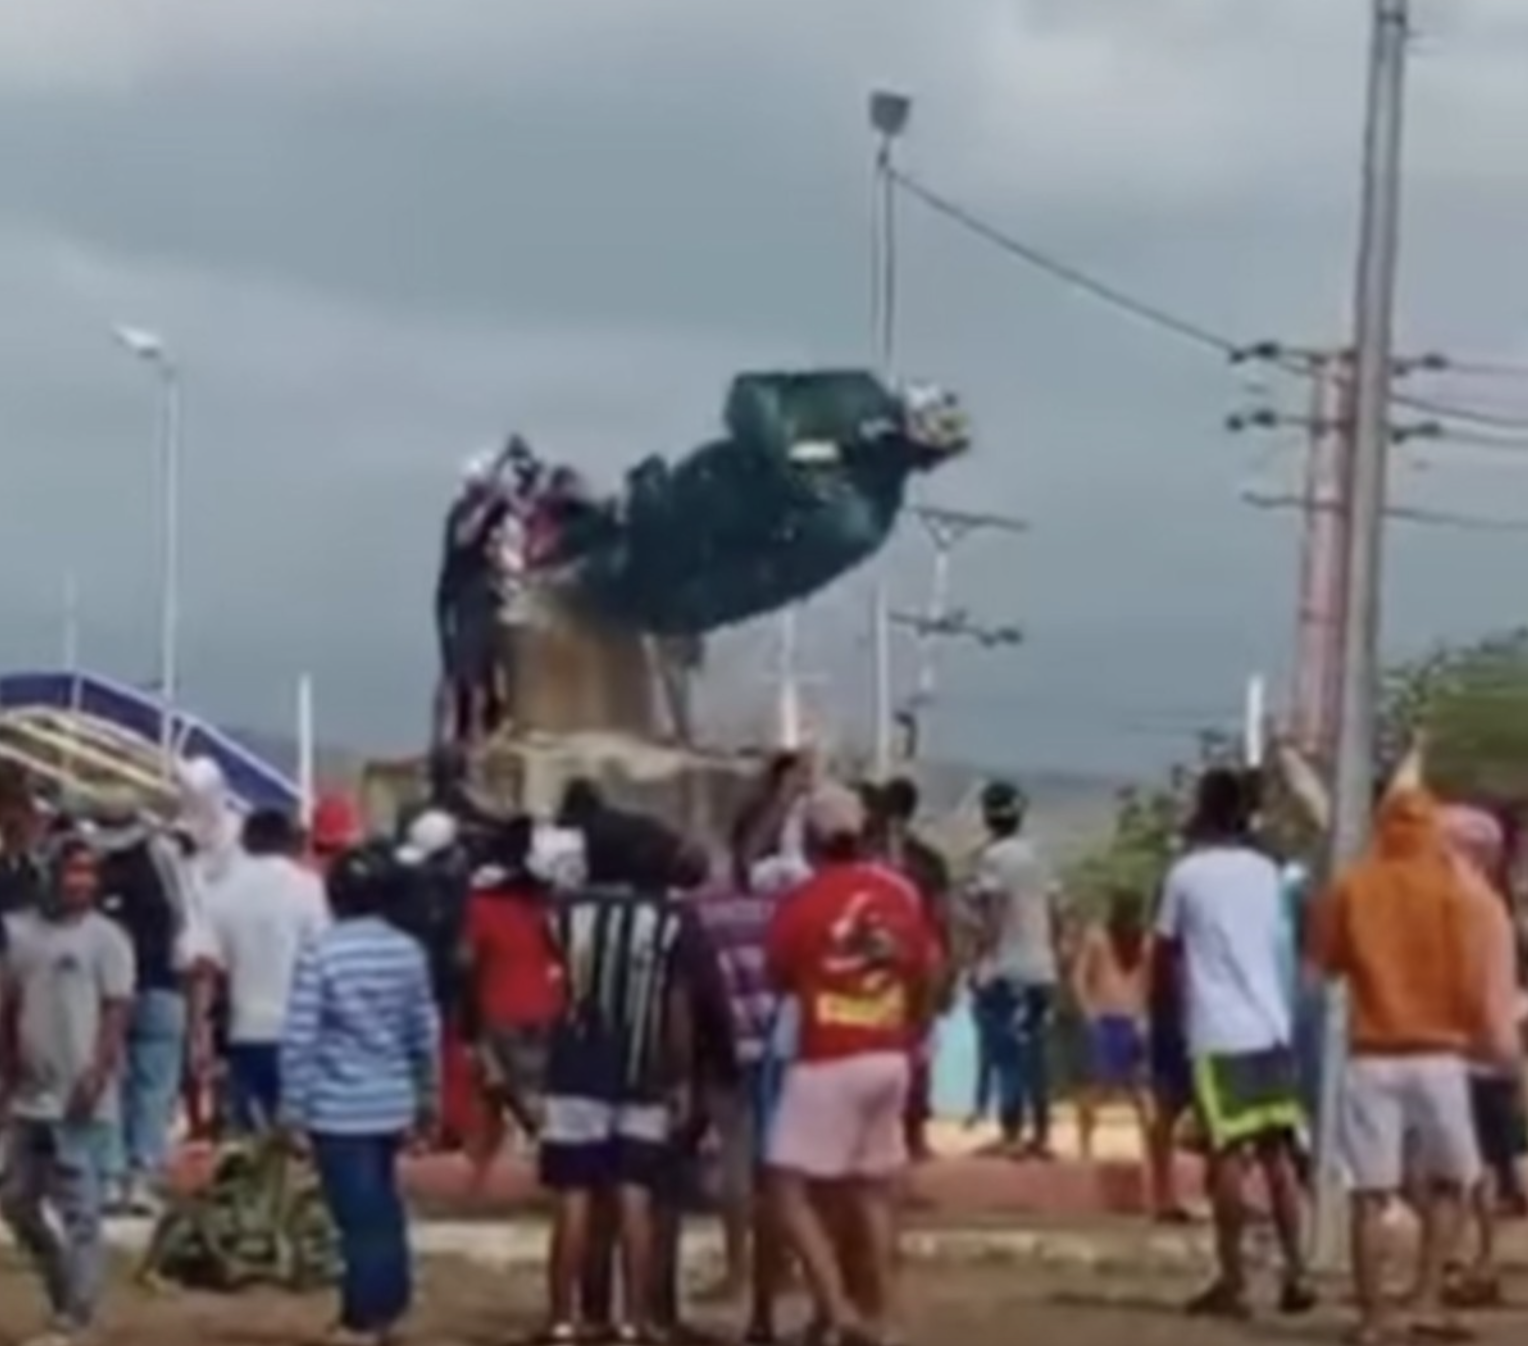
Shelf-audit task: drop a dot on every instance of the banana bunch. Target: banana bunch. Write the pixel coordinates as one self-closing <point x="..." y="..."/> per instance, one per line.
<point x="260" y="1220"/>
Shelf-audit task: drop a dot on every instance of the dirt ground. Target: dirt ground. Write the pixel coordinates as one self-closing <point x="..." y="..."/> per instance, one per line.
<point x="465" y="1305"/>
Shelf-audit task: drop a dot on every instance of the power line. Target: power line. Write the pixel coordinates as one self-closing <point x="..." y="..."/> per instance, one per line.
<point x="1480" y="369"/>
<point x="1064" y="271"/>
<point x="1185" y="328"/>
<point x="1493" y="420"/>
<point x="1438" y="518"/>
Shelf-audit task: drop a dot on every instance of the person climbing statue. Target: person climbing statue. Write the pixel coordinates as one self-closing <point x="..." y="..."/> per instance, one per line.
<point x="467" y="595"/>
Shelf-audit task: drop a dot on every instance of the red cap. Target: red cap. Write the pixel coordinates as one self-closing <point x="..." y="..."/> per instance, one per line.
<point x="336" y="823"/>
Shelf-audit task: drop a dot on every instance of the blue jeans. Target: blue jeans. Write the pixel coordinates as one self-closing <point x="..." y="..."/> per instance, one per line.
<point x="359" y="1175"/>
<point x="57" y="1165"/>
<point x="990" y="1017"/>
<point x="150" y="1087"/>
<point x="1018" y="1019"/>
<point x="254" y="1085"/>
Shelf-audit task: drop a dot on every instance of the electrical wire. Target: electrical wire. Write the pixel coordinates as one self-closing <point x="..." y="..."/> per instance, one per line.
<point x="1480" y="369"/>
<point x="1141" y="309"/>
<point x="1491" y="420"/>
<point x="1165" y="319"/>
<point x="1434" y="518"/>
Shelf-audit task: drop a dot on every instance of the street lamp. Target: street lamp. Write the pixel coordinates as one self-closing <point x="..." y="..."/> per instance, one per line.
<point x="889" y="117"/>
<point x="149" y="348"/>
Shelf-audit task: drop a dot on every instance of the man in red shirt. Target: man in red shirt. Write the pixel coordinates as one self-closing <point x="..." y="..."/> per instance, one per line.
<point x="514" y="990"/>
<point x="854" y="951"/>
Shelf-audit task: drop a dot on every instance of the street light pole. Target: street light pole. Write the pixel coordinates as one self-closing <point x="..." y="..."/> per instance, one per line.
<point x="151" y="350"/>
<point x="889" y="116"/>
<point x="1374" y="309"/>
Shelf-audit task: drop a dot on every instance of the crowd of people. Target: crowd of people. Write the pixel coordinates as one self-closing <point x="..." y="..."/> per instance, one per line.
<point x="624" y="1001"/>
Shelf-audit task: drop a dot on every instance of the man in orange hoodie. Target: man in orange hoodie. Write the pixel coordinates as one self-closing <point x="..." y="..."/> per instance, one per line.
<point x="1399" y="926"/>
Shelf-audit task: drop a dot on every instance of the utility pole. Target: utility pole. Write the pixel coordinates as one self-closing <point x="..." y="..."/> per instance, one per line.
<point x="1319" y="628"/>
<point x="1374" y="314"/>
<point x="1326" y="427"/>
<point x="947" y="529"/>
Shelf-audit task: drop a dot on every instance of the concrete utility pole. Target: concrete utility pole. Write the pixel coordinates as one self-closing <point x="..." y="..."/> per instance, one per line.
<point x="1327" y="426"/>
<point x="1374" y="312"/>
<point x="1328" y="430"/>
<point x="1319" y="629"/>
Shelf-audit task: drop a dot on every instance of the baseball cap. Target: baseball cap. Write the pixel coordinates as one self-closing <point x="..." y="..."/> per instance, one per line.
<point x="1003" y="799"/>
<point x="832" y="810"/>
<point x="429" y="834"/>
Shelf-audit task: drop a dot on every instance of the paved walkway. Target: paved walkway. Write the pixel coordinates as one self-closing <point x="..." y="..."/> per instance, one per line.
<point x="961" y="1184"/>
<point x="1105" y="1245"/>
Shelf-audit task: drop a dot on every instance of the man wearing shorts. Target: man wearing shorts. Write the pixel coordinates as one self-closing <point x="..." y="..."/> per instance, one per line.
<point x="1221" y="922"/>
<point x="617" y="1066"/>
<point x="1399" y="927"/>
<point x="854" y="950"/>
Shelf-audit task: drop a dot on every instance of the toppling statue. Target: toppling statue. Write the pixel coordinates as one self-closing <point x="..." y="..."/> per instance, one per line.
<point x="807" y="484"/>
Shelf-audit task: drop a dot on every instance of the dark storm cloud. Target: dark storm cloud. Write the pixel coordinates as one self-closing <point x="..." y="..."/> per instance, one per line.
<point x="378" y="235"/>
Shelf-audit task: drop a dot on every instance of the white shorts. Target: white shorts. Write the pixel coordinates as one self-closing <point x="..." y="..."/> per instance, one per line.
<point x="1407" y="1116"/>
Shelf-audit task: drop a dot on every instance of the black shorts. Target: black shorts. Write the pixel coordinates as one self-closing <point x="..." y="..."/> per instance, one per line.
<point x="1246" y="1097"/>
<point x="588" y="1144"/>
<point x="1495" y="1106"/>
<point x="600" y="1127"/>
<point x="1168" y="1069"/>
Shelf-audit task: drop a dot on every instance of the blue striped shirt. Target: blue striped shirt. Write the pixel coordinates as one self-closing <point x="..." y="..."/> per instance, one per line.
<point x="360" y="1052"/>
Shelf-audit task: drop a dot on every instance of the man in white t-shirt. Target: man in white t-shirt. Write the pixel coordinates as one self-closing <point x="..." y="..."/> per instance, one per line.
<point x="1222" y="924"/>
<point x="260" y="917"/>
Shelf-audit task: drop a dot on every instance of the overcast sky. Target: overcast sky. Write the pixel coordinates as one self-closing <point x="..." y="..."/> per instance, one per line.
<point x="380" y="232"/>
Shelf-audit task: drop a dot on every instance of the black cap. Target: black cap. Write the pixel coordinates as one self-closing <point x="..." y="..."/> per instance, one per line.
<point x="1003" y="799"/>
<point x="365" y="877"/>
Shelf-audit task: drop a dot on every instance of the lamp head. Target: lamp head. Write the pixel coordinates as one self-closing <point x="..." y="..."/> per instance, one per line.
<point x="890" y="112"/>
<point x="140" y="342"/>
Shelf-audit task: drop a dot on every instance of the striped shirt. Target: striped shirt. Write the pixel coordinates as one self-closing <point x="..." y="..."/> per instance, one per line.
<point x="621" y="952"/>
<point x="737" y="924"/>
<point x="359" y="1055"/>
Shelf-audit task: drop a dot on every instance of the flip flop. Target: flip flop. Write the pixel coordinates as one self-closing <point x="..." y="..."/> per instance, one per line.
<point x="1219" y="1300"/>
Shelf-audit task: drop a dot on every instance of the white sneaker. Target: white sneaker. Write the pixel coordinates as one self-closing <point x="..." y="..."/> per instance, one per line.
<point x="140" y="1198"/>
